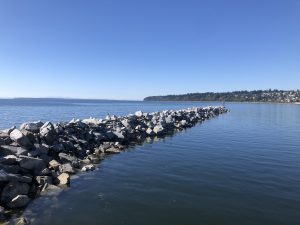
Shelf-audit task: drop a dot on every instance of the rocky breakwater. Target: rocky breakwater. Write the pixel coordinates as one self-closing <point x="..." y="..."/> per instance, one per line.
<point x="40" y="157"/>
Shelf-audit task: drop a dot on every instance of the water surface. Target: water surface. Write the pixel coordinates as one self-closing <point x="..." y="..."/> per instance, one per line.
<point x="239" y="168"/>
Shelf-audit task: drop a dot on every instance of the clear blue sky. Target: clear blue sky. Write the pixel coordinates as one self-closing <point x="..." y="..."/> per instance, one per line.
<point x="131" y="49"/>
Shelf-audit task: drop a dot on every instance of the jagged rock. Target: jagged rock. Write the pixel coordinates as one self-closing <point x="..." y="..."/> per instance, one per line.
<point x="50" y="188"/>
<point x="150" y="132"/>
<point x="66" y="158"/>
<point x="9" y="149"/>
<point x="22" y="221"/>
<point x="66" y="168"/>
<point x="20" y="138"/>
<point x="64" y="179"/>
<point x="41" y="180"/>
<point x="41" y="149"/>
<point x="33" y="127"/>
<point x="9" y="130"/>
<point x="112" y="150"/>
<point x="88" y="168"/>
<point x="19" y="201"/>
<point x="6" y="177"/>
<point x="13" y="189"/>
<point x="158" y="129"/>
<point x="30" y="163"/>
<point x="8" y="160"/>
<point x="48" y="133"/>
<point x="54" y="164"/>
<point x="138" y="113"/>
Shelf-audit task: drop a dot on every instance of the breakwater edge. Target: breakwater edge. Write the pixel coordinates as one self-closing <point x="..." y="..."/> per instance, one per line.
<point x="40" y="157"/>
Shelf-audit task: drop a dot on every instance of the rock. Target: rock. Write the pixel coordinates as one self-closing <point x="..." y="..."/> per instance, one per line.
<point x="112" y="150"/>
<point x="13" y="189"/>
<point x="91" y="121"/>
<point x="54" y="164"/>
<point x="48" y="133"/>
<point x="88" y="168"/>
<point x="119" y="135"/>
<point x="8" y="150"/>
<point x="33" y="127"/>
<point x="7" y="177"/>
<point x="64" y="179"/>
<point x="50" y="188"/>
<point x="138" y="113"/>
<point x="22" y="221"/>
<point x="10" y="168"/>
<point x="150" y="132"/>
<point x="9" y="160"/>
<point x="66" y="168"/>
<point x="67" y="158"/>
<point x="9" y="130"/>
<point x="41" y="180"/>
<point x="158" y="129"/>
<point x="31" y="163"/>
<point x="19" y="201"/>
<point x="41" y="149"/>
<point x="20" y="138"/>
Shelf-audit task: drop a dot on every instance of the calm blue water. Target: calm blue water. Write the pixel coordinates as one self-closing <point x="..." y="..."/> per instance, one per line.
<point x="239" y="168"/>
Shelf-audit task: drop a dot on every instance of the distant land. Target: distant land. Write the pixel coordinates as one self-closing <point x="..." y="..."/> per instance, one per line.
<point x="280" y="96"/>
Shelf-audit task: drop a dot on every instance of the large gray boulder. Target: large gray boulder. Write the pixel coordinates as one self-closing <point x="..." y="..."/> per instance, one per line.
<point x="8" y="177"/>
<point x="20" y="138"/>
<point x="48" y="133"/>
<point x="19" y="201"/>
<point x="66" y="168"/>
<point x="31" y="163"/>
<point x="12" y="150"/>
<point x="33" y="127"/>
<point x="13" y="189"/>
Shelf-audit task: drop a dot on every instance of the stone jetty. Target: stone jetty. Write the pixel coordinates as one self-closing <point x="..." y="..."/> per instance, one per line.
<point x="40" y="157"/>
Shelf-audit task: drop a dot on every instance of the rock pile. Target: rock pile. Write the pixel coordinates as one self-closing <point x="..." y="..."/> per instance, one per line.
<point x="40" y="157"/>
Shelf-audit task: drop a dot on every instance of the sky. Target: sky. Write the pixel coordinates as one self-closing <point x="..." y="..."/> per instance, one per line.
<point x="116" y="49"/>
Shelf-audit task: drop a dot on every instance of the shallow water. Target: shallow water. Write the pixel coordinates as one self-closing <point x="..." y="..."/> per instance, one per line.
<point x="239" y="168"/>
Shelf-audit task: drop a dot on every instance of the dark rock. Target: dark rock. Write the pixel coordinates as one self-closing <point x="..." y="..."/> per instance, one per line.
<point x="33" y="127"/>
<point x="19" y="201"/>
<point x="20" y="138"/>
<point x="31" y="163"/>
<point x="48" y="133"/>
<point x="13" y="189"/>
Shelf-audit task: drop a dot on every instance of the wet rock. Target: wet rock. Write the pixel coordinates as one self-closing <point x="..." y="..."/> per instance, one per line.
<point x="19" y="201"/>
<point x="13" y="189"/>
<point x="20" y="138"/>
<point x="112" y="150"/>
<point x="22" y="221"/>
<point x="88" y="168"/>
<point x="64" y="179"/>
